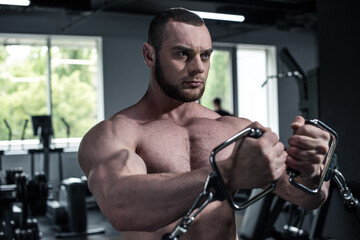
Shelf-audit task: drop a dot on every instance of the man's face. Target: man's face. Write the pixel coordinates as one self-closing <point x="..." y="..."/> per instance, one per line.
<point x="183" y="63"/>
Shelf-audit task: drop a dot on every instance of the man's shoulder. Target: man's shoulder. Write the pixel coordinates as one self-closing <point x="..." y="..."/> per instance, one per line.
<point x="118" y="125"/>
<point x="118" y="129"/>
<point x="121" y="118"/>
<point x="120" y="122"/>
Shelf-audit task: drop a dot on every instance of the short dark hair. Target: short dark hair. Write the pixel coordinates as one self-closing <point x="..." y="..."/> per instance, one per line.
<point x="157" y="25"/>
<point x="217" y="101"/>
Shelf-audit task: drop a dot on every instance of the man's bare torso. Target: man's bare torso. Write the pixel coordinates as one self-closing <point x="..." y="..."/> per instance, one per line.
<point x="169" y="146"/>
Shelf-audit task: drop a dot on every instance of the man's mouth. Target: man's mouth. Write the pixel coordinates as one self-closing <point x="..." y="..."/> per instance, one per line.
<point x="194" y="82"/>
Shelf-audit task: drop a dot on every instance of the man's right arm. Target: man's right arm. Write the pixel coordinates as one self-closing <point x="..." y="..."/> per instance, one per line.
<point x="129" y="197"/>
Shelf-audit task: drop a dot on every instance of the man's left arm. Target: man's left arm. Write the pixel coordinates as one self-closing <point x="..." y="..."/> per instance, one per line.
<point x="306" y="152"/>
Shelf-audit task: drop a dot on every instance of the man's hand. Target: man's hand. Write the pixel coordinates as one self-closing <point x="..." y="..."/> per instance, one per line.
<point x="255" y="162"/>
<point x="307" y="149"/>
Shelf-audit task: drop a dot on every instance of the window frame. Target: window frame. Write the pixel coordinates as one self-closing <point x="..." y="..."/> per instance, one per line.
<point x="271" y="86"/>
<point x="71" y="144"/>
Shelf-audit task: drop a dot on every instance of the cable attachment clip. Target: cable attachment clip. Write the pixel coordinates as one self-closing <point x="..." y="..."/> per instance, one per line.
<point x="350" y="202"/>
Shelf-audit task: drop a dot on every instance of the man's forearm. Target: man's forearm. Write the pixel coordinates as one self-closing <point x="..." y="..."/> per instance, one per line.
<point x="165" y="197"/>
<point x="298" y="197"/>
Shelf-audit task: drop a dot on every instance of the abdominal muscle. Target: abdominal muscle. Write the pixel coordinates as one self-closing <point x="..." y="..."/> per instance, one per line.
<point x="215" y="222"/>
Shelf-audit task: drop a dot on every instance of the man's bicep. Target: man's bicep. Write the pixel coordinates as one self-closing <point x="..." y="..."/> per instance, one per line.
<point x="111" y="167"/>
<point x="125" y="162"/>
<point x="108" y="169"/>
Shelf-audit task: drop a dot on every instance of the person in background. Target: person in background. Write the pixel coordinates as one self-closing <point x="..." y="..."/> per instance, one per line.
<point x="218" y="109"/>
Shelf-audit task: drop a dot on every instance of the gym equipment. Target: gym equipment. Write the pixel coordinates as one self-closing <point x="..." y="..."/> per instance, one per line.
<point x="293" y="229"/>
<point x="326" y="173"/>
<point x="351" y="203"/>
<point x="42" y="127"/>
<point x="31" y="195"/>
<point x="215" y="189"/>
<point x="234" y="204"/>
<point x="32" y="153"/>
<point x="68" y="209"/>
<point x="10" y="133"/>
<point x="69" y="212"/>
<point x="1" y="154"/>
<point x="23" y="133"/>
<point x="307" y="84"/>
<point x="68" y="129"/>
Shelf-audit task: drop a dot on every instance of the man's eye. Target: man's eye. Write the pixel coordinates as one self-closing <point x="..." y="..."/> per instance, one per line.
<point x="205" y="56"/>
<point x="183" y="54"/>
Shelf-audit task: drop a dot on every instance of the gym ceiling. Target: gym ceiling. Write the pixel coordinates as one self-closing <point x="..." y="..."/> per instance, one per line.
<point x="287" y="15"/>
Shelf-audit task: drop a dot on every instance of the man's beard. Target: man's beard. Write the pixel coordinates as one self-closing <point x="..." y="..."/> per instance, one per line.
<point x="173" y="91"/>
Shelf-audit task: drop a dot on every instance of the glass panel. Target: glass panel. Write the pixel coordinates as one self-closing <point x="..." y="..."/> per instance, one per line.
<point x="22" y="84"/>
<point x="255" y="101"/>
<point x="251" y="75"/>
<point x="219" y="82"/>
<point x="74" y="86"/>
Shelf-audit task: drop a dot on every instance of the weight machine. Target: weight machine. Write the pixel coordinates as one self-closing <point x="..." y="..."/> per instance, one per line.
<point x="68" y="210"/>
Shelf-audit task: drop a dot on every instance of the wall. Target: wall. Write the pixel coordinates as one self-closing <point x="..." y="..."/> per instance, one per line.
<point x="339" y="104"/>
<point x="125" y="74"/>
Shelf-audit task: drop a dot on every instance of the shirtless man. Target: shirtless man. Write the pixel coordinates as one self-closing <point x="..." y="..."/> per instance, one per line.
<point x="147" y="164"/>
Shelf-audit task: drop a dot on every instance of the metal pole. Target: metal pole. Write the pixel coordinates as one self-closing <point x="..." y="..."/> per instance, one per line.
<point x="48" y="89"/>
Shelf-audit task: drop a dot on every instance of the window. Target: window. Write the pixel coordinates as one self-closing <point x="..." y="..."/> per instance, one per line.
<point x="219" y="82"/>
<point x="241" y="87"/>
<point x="256" y="101"/>
<point x="64" y="82"/>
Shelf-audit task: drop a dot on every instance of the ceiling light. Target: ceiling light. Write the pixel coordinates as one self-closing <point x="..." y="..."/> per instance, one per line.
<point x="220" y="16"/>
<point x="15" y="2"/>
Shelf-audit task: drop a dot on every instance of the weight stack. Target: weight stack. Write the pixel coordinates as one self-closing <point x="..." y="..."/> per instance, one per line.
<point x="72" y="198"/>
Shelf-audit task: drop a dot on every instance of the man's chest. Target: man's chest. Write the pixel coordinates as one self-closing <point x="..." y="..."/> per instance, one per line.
<point x="167" y="147"/>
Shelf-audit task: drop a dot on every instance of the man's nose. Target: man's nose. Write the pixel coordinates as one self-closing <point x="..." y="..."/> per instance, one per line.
<point x="196" y="66"/>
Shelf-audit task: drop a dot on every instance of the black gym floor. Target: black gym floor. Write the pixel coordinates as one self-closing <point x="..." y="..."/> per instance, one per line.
<point x="95" y="220"/>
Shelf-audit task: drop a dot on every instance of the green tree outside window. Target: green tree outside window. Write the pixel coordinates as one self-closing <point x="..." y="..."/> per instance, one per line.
<point x="23" y="84"/>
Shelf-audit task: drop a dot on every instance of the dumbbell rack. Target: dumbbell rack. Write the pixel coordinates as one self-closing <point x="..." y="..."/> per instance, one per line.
<point x="29" y="196"/>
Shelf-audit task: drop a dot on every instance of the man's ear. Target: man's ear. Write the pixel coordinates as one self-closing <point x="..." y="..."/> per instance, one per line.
<point x="149" y="54"/>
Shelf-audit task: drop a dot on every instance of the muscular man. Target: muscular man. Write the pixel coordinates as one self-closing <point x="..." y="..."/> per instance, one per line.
<point x="147" y="164"/>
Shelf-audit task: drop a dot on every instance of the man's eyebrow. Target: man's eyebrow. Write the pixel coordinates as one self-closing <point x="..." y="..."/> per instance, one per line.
<point x="180" y="47"/>
<point x="210" y="50"/>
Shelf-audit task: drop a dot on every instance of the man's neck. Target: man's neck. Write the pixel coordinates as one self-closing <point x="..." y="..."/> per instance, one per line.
<point x="157" y="105"/>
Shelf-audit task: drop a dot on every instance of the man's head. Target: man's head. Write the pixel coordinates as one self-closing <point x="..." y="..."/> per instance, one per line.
<point x="178" y="52"/>
<point x="157" y="29"/>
